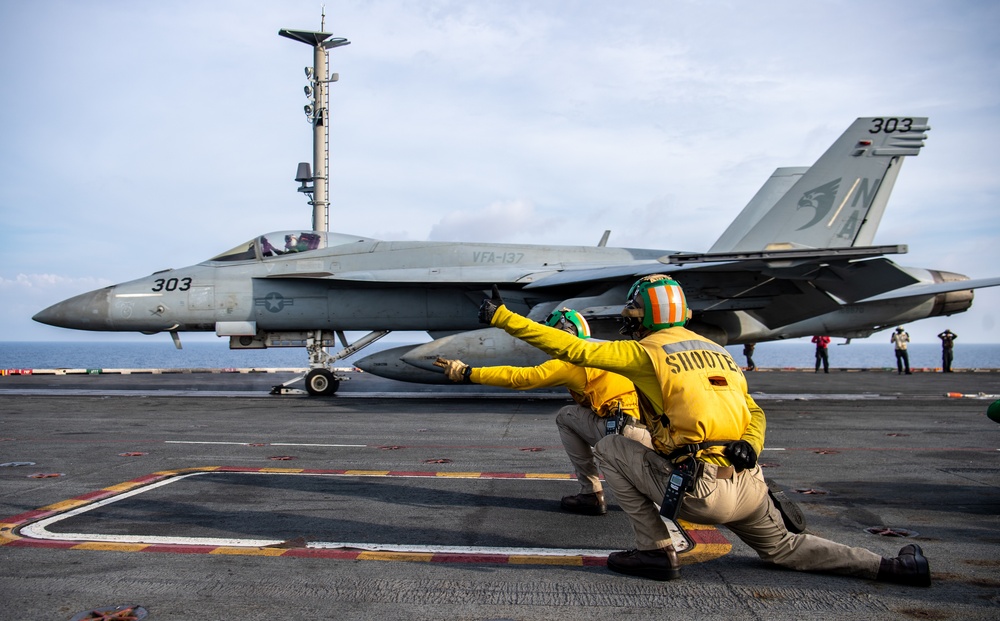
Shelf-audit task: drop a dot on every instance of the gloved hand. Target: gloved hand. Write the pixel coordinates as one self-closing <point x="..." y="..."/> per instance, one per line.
<point x="456" y="370"/>
<point x="490" y="306"/>
<point x="741" y="455"/>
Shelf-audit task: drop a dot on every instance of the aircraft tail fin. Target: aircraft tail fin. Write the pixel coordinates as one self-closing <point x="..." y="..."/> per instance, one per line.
<point x="837" y="202"/>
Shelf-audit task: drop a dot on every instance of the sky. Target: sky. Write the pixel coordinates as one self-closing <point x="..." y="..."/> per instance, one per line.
<point x="139" y="136"/>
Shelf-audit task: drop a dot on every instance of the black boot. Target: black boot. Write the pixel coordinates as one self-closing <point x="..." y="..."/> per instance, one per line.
<point x="791" y="514"/>
<point x="653" y="564"/>
<point x="909" y="567"/>
<point x="585" y="504"/>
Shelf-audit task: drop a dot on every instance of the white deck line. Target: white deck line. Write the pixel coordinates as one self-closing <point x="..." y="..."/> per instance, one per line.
<point x="39" y="529"/>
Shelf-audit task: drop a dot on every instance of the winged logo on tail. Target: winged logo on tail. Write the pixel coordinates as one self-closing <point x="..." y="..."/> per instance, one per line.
<point x="821" y="200"/>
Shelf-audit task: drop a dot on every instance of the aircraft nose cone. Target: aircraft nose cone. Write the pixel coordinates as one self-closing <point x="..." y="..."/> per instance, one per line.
<point x="88" y="311"/>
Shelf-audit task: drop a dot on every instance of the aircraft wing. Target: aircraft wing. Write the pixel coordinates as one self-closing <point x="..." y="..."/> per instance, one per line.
<point x="581" y="276"/>
<point x="780" y="286"/>
<point x="741" y="261"/>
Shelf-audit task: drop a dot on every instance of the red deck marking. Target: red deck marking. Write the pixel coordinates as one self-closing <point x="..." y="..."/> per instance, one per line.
<point x="42" y="543"/>
<point x="344" y="555"/>
<point x="98" y="495"/>
<point x="177" y="548"/>
<point x="711" y="535"/>
<point x="30" y="516"/>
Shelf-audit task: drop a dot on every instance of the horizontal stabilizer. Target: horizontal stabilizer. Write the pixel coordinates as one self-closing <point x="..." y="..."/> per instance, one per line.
<point x="924" y="289"/>
<point x="857" y="280"/>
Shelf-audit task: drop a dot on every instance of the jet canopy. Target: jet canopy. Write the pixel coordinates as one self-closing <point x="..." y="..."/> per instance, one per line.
<point x="281" y="243"/>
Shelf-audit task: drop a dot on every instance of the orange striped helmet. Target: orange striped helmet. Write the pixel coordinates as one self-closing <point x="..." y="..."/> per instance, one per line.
<point x="658" y="301"/>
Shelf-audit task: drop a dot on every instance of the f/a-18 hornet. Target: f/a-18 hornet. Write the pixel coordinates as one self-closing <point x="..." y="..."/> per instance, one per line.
<point x="797" y="261"/>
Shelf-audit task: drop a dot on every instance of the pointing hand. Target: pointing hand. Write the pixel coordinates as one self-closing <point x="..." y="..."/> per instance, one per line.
<point x="489" y="307"/>
<point x="455" y="370"/>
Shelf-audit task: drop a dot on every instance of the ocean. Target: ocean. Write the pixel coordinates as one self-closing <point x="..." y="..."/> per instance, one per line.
<point x="217" y="355"/>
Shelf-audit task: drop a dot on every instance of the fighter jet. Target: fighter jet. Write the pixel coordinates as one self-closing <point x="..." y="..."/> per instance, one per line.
<point x="796" y="261"/>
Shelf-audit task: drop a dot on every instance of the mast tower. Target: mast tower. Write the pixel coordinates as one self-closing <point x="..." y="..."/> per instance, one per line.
<point x="315" y="181"/>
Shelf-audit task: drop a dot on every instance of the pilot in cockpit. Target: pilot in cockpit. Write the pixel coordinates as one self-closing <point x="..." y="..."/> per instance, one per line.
<point x="293" y="244"/>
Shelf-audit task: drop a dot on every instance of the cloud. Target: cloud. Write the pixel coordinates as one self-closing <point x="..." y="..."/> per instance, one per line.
<point x="26" y="284"/>
<point x="25" y="295"/>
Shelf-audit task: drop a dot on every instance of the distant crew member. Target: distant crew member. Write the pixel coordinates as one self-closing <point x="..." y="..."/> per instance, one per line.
<point x="822" y="352"/>
<point x="947" y="349"/>
<point x="606" y="403"/>
<point x="748" y="352"/>
<point x="900" y="340"/>
<point x="706" y="432"/>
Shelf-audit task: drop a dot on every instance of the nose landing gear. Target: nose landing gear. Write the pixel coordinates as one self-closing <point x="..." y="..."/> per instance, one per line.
<point x="320" y="380"/>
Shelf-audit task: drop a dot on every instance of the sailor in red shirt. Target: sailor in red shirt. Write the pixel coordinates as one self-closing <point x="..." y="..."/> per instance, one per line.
<point x="821" y="352"/>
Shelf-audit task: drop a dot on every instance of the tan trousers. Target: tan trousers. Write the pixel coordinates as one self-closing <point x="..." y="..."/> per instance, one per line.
<point x="638" y="477"/>
<point x="580" y="429"/>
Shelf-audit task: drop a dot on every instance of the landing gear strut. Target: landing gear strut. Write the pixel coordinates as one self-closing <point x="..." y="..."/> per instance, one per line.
<point x="321" y="380"/>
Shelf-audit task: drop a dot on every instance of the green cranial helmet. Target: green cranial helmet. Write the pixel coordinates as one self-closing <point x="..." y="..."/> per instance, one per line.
<point x="569" y="320"/>
<point x="654" y="302"/>
<point x="993" y="412"/>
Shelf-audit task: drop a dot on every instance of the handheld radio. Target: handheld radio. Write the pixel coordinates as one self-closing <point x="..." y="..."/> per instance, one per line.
<point x="680" y="481"/>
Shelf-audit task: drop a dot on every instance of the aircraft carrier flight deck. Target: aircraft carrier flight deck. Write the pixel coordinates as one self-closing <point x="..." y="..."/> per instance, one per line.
<point x="200" y="495"/>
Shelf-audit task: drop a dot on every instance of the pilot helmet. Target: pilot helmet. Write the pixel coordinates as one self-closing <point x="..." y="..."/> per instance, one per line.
<point x="654" y="302"/>
<point x="569" y="320"/>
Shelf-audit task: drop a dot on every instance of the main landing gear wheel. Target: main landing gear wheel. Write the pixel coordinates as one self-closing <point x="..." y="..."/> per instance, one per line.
<point x="321" y="383"/>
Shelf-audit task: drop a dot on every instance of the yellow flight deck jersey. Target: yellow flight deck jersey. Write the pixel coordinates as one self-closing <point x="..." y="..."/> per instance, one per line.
<point x="599" y="390"/>
<point x="696" y="392"/>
